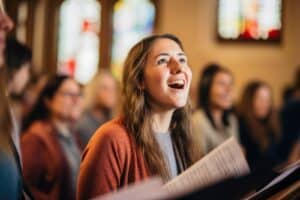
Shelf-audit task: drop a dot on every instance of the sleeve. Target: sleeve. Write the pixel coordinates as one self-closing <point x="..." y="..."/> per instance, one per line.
<point x="102" y="165"/>
<point x="33" y="164"/>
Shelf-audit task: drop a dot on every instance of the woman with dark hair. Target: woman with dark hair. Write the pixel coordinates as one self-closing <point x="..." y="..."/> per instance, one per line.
<point x="213" y="121"/>
<point x="258" y="124"/>
<point x="152" y="135"/>
<point x="50" y="149"/>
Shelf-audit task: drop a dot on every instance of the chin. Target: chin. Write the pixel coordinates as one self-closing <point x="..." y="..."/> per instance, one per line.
<point x="179" y="104"/>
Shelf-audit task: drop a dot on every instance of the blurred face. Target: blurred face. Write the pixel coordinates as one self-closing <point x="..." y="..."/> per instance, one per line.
<point x="262" y="102"/>
<point x="5" y="26"/>
<point x="106" y="92"/>
<point x="221" y="96"/>
<point x="66" y="103"/>
<point x="20" y="79"/>
<point x="167" y="76"/>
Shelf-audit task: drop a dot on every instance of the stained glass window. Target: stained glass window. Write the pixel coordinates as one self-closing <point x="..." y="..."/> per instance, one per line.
<point x="132" y="20"/>
<point x="78" y="39"/>
<point x="250" y="19"/>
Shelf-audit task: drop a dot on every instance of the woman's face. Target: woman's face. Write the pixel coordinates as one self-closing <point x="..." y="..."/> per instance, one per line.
<point x="221" y="96"/>
<point x="262" y="102"/>
<point x="5" y="26"/>
<point x="106" y="92"/>
<point x="167" y="76"/>
<point x="66" y="103"/>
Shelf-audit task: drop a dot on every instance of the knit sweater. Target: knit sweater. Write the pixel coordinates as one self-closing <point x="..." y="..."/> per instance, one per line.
<point x="110" y="161"/>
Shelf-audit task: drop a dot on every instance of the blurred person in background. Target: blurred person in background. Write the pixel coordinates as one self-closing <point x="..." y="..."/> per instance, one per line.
<point x="50" y="148"/>
<point x="11" y="181"/>
<point x="102" y="96"/>
<point x="18" y="62"/>
<point x="31" y="92"/>
<point x="213" y="121"/>
<point x="290" y="114"/>
<point x="259" y="125"/>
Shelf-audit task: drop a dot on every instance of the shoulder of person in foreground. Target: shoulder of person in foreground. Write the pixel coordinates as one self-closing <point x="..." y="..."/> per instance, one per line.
<point x="105" y="157"/>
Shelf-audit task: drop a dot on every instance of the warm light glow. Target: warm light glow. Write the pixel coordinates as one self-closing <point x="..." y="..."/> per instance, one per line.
<point x="78" y="45"/>
<point x="132" y="20"/>
<point x="249" y="19"/>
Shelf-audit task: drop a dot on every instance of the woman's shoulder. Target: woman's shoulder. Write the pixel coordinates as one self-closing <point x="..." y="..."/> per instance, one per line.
<point x="38" y="130"/>
<point x="113" y="132"/>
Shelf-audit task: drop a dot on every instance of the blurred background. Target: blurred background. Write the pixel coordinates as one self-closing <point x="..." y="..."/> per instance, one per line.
<point x="79" y="37"/>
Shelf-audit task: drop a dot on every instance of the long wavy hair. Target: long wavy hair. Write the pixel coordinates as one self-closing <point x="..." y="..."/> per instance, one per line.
<point x="137" y="112"/>
<point x="260" y="129"/>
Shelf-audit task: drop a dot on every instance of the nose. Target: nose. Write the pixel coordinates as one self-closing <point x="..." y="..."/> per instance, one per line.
<point x="6" y="24"/>
<point x="175" y="65"/>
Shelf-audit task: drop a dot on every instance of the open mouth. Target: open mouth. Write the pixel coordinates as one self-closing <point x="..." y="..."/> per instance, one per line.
<point x="177" y="84"/>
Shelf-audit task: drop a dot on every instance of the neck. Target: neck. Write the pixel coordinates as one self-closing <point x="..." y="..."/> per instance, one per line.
<point x="100" y="112"/>
<point x="217" y="116"/>
<point x="161" y="121"/>
<point x="62" y="126"/>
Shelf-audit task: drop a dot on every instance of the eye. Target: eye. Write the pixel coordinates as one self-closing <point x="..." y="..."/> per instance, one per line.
<point x="183" y="60"/>
<point x="162" y="61"/>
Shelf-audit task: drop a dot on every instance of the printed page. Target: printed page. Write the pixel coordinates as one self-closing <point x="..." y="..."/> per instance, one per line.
<point x="149" y="189"/>
<point x="227" y="160"/>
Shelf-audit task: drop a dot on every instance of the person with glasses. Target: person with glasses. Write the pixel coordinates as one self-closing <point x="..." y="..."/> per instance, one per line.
<point x="51" y="149"/>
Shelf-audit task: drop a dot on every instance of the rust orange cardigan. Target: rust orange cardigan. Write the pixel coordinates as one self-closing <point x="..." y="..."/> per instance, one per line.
<point x="110" y="161"/>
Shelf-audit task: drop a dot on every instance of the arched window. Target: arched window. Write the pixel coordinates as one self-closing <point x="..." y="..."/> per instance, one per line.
<point x="78" y="38"/>
<point x="132" y="20"/>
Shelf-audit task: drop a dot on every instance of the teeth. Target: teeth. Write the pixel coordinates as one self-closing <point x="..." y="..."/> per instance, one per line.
<point x="179" y="82"/>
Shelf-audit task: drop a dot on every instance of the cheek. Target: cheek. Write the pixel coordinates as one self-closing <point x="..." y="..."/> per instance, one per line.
<point x="154" y="81"/>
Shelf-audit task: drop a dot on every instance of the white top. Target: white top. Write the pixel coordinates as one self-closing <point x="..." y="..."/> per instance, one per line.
<point x="207" y="136"/>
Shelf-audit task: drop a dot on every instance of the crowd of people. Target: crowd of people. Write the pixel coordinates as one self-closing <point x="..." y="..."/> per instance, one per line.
<point x="62" y="140"/>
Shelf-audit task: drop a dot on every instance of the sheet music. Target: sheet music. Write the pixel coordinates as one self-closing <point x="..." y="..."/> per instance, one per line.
<point x="227" y="160"/>
<point x="149" y="189"/>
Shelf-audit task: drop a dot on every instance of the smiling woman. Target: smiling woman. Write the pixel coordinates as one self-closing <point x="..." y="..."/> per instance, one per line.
<point x="153" y="125"/>
<point x="213" y="121"/>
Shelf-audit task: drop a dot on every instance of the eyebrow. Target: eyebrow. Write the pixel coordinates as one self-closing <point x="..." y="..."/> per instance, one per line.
<point x="166" y="54"/>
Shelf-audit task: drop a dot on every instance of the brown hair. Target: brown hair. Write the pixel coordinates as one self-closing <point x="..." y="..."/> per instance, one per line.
<point x="137" y="112"/>
<point x="259" y="128"/>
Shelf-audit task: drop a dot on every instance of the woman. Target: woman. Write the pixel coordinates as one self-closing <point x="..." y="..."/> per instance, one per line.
<point x="101" y="98"/>
<point x="152" y="135"/>
<point x="51" y="153"/>
<point x="213" y="121"/>
<point x="258" y="123"/>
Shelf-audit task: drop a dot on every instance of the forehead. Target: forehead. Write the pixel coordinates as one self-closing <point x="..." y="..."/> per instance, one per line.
<point x="68" y="83"/>
<point x="164" y="45"/>
<point x="222" y="75"/>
